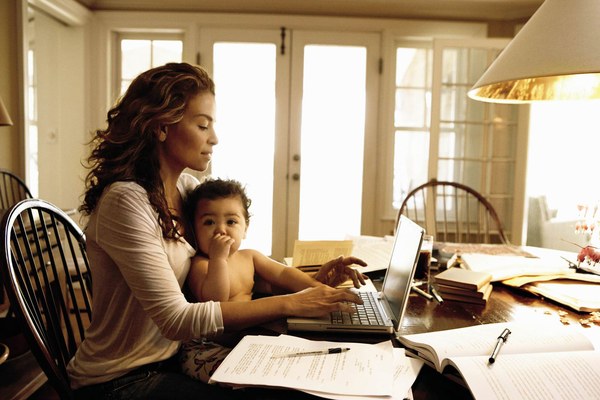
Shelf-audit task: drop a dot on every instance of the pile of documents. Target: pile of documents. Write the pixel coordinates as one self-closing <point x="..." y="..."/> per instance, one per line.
<point x="544" y="272"/>
<point x="327" y="369"/>
<point x="464" y="285"/>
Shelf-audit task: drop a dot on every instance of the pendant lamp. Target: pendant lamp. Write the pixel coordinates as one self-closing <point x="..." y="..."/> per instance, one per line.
<point x="555" y="56"/>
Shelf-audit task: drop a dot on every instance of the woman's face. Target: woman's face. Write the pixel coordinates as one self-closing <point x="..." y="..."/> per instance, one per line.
<point x="189" y="143"/>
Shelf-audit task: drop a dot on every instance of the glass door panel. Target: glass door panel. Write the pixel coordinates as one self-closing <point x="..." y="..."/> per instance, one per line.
<point x="244" y="75"/>
<point x="303" y="169"/>
<point x="333" y="85"/>
<point x="332" y="141"/>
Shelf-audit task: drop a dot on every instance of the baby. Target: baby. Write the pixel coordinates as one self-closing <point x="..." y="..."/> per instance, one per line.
<point x="221" y="271"/>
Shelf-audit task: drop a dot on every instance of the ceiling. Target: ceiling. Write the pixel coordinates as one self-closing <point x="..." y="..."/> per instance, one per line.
<point x="467" y="10"/>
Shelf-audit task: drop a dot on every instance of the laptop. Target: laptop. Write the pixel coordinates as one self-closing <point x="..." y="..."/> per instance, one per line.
<point x="390" y="303"/>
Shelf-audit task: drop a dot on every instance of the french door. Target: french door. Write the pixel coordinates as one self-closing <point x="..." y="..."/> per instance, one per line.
<point x="294" y="127"/>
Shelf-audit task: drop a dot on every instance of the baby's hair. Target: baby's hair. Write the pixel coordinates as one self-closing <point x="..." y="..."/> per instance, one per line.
<point x="213" y="189"/>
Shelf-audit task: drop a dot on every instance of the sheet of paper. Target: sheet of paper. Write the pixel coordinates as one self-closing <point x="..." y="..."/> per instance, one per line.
<point x="505" y="267"/>
<point x="581" y="296"/>
<point x="571" y="275"/>
<point x="309" y="253"/>
<point x="363" y="370"/>
<point x="484" y="248"/>
<point x="406" y="370"/>
<point x="374" y="250"/>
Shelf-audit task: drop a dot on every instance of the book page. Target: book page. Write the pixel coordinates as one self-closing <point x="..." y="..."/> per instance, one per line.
<point x="363" y="370"/>
<point x="544" y="376"/>
<point x="480" y="340"/>
<point x="311" y="253"/>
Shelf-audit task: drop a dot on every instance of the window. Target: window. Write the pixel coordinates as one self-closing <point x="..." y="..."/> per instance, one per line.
<point x="566" y="131"/>
<point x="412" y="114"/>
<point x="440" y="133"/>
<point x="139" y="54"/>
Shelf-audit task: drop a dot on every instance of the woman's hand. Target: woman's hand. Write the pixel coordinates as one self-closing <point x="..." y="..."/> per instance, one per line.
<point x="338" y="271"/>
<point x="319" y="301"/>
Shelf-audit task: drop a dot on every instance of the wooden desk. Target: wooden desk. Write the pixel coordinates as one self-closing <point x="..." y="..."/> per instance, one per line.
<point x="505" y="304"/>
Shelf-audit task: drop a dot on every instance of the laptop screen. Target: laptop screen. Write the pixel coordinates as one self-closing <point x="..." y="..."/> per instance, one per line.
<point x="405" y="253"/>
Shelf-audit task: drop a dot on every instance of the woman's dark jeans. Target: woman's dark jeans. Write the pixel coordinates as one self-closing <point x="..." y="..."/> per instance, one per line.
<point x="155" y="381"/>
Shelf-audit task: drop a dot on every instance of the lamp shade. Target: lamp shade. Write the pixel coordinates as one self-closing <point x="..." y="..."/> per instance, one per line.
<point x="4" y="117"/>
<point x="555" y="56"/>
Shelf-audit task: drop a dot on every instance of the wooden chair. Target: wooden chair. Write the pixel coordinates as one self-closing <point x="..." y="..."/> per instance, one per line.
<point x="453" y="212"/>
<point x="12" y="189"/>
<point x="44" y="266"/>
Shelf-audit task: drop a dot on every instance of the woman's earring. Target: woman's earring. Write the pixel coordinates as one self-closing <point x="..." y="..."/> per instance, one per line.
<point x="162" y="136"/>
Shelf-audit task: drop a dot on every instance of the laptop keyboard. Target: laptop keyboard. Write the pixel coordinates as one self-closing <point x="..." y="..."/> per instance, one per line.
<point x="366" y="313"/>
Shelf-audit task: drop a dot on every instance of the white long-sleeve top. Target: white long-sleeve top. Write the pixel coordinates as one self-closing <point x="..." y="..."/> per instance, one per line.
<point x="140" y="314"/>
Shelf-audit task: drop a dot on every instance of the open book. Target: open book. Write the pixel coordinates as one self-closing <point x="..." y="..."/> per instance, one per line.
<point x="536" y="362"/>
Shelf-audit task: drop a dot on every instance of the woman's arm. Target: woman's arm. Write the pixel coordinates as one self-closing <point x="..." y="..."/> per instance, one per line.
<point x="128" y="234"/>
<point x="311" y="302"/>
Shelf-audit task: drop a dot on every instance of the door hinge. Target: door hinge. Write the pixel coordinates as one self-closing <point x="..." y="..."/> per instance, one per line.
<point x="282" y="46"/>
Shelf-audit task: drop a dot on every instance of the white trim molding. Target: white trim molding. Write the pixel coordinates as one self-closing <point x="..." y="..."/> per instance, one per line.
<point x="67" y="11"/>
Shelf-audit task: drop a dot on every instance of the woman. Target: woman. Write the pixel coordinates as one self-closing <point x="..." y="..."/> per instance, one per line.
<point x="138" y="244"/>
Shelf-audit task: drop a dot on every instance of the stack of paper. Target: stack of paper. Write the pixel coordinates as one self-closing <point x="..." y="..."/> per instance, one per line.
<point x="504" y="267"/>
<point x="579" y="291"/>
<point x="365" y="370"/>
<point x="464" y="285"/>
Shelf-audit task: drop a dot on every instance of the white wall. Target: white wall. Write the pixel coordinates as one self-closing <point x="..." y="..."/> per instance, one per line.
<point x="61" y="105"/>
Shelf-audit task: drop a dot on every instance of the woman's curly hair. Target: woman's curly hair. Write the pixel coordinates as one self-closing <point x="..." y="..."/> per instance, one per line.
<point x="127" y="150"/>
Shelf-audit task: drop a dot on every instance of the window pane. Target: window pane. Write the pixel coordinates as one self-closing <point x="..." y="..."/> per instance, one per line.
<point x="461" y="141"/>
<point x="409" y="171"/>
<point x="411" y="119"/>
<point x="503" y="174"/>
<point x="246" y="129"/>
<point x="164" y="51"/>
<point x="411" y="108"/>
<point x="411" y="67"/>
<point x="135" y="57"/>
<point x="139" y="55"/>
<point x="468" y="172"/>
<point x="333" y="125"/>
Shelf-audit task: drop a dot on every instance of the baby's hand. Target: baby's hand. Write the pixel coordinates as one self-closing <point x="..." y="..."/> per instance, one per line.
<point x="220" y="246"/>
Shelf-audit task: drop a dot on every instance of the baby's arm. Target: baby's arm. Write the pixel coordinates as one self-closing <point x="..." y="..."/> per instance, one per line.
<point x="278" y="275"/>
<point x="208" y="279"/>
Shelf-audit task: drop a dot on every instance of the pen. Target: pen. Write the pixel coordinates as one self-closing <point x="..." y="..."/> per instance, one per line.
<point x="334" y="350"/>
<point x="435" y="294"/>
<point x="571" y="263"/>
<point x="421" y="292"/>
<point x="501" y="340"/>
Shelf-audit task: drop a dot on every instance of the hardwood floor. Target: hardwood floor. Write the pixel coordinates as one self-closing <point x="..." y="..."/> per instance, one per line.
<point x="46" y="392"/>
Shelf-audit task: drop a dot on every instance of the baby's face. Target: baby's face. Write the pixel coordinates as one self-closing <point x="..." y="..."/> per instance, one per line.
<point x="223" y="216"/>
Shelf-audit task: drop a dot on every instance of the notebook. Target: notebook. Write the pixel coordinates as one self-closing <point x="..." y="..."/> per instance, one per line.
<point x="390" y="303"/>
